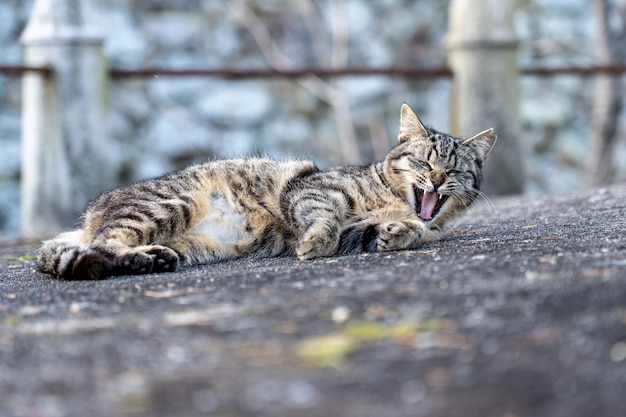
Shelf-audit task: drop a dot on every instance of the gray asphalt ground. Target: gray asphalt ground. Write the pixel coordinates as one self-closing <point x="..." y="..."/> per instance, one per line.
<point x="519" y="312"/>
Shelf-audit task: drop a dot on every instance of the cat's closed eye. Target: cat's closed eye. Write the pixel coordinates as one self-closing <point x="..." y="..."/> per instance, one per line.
<point x="425" y="165"/>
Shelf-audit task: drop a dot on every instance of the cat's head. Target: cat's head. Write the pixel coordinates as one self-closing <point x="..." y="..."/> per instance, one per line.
<point x="439" y="174"/>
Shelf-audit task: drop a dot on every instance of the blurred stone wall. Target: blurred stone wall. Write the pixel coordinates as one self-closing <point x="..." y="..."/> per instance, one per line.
<point x="158" y="124"/>
<point x="166" y="123"/>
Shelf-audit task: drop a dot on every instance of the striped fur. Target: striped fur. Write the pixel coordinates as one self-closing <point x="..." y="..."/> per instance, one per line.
<point x="261" y="207"/>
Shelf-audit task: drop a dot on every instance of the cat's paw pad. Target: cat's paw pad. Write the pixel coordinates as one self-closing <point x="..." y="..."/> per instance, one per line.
<point x="135" y="263"/>
<point x="164" y="259"/>
<point x="314" y="245"/>
<point x="397" y="236"/>
<point x="147" y="259"/>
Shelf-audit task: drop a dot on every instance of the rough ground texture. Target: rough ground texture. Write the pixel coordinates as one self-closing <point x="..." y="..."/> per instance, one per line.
<point x="516" y="313"/>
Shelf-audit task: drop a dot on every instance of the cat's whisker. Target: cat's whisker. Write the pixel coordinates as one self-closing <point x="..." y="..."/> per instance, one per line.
<point x="490" y="205"/>
<point x="473" y="195"/>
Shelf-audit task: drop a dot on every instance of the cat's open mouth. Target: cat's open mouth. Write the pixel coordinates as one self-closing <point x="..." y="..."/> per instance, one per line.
<point x="428" y="203"/>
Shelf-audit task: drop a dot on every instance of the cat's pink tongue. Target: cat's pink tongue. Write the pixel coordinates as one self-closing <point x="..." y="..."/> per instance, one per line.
<point x="429" y="201"/>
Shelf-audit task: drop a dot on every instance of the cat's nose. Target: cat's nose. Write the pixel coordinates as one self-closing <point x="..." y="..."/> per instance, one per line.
<point x="437" y="179"/>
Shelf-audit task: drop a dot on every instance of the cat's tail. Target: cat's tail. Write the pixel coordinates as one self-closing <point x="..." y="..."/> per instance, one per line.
<point x="66" y="257"/>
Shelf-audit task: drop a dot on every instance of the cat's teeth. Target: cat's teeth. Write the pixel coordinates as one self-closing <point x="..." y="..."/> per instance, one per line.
<point x="440" y="196"/>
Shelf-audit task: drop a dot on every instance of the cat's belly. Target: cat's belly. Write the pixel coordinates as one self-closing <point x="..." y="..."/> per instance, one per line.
<point x="222" y="223"/>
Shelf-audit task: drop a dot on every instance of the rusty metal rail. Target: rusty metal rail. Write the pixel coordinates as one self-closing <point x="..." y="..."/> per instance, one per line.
<point x="436" y="72"/>
<point x="19" y="70"/>
<point x="583" y="71"/>
<point x="402" y="72"/>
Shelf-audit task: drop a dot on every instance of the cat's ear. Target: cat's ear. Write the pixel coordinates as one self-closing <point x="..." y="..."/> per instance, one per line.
<point x="482" y="142"/>
<point x="410" y="125"/>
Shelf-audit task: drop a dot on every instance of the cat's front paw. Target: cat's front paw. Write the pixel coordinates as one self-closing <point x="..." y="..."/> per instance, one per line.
<point x="399" y="235"/>
<point x="316" y="244"/>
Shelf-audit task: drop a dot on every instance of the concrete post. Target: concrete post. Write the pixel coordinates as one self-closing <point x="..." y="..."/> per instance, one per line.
<point x="482" y="49"/>
<point x="64" y="144"/>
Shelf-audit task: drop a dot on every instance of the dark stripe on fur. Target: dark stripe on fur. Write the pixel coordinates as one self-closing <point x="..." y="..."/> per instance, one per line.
<point x="358" y="238"/>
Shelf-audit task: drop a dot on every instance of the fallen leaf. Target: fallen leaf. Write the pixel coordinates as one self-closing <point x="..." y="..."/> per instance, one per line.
<point x="427" y="251"/>
<point x="530" y="226"/>
<point x="476" y="231"/>
<point x="30" y="310"/>
<point x="597" y="272"/>
<point x="12" y="320"/>
<point x="484" y="239"/>
<point x="326" y="350"/>
<point x="169" y="293"/>
<point x="330" y="350"/>
<point x="21" y="258"/>
<point x="400" y="330"/>
<point x="539" y="337"/>
<point x="198" y="317"/>
<point x="67" y="327"/>
<point x="547" y="260"/>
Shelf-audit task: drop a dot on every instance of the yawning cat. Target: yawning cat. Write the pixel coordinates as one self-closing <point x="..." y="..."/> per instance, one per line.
<point x="261" y="207"/>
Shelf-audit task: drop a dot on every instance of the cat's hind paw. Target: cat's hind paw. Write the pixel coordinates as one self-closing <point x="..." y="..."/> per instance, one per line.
<point x="147" y="259"/>
<point x="164" y="259"/>
<point x="134" y="263"/>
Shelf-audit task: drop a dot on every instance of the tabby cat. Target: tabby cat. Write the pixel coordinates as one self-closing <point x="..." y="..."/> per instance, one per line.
<point x="256" y="206"/>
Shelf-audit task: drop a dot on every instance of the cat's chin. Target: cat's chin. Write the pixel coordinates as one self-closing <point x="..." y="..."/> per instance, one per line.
<point x="428" y="203"/>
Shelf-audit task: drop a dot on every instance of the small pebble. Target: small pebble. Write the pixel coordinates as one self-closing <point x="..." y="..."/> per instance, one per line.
<point x="340" y="314"/>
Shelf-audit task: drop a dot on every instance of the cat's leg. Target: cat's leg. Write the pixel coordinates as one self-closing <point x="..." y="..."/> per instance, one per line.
<point x="69" y="257"/>
<point x="380" y="234"/>
<point x="386" y="229"/>
<point x="196" y="249"/>
<point x="319" y="239"/>
<point x="317" y="216"/>
<point x="129" y="253"/>
<point x="189" y="249"/>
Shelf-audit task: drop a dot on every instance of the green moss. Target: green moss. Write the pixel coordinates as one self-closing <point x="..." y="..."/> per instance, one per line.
<point x="21" y="258"/>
